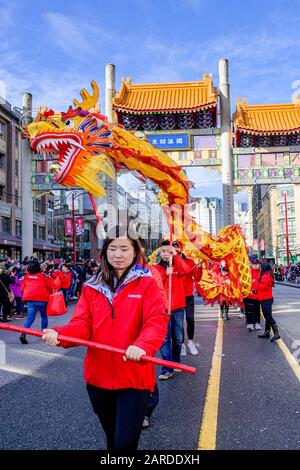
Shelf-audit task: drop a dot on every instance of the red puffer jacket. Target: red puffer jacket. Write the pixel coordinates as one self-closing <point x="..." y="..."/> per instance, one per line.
<point x="193" y="276"/>
<point x="134" y="315"/>
<point x="265" y="287"/>
<point x="255" y="273"/>
<point x="65" y="280"/>
<point x="180" y="268"/>
<point x="36" y="287"/>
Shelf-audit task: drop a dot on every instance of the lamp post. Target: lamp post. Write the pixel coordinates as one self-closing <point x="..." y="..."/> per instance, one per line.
<point x="286" y="231"/>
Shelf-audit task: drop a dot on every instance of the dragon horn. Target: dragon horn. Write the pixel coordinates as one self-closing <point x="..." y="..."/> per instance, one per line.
<point x="89" y="101"/>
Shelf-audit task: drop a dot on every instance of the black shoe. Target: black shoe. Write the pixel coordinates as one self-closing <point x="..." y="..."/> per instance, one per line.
<point x="266" y="335"/>
<point x="23" y="339"/>
<point x="6" y="320"/>
<point x="276" y="334"/>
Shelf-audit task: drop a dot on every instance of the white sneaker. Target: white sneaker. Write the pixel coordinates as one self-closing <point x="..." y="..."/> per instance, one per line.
<point x="165" y="376"/>
<point x="241" y="315"/>
<point x="257" y="326"/>
<point x="250" y="327"/>
<point x="146" y="423"/>
<point x="192" y="348"/>
<point x="183" y="350"/>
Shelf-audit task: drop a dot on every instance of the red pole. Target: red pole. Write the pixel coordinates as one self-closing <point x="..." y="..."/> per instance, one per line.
<point x="74" y="229"/>
<point x="286" y="232"/>
<point x="104" y="347"/>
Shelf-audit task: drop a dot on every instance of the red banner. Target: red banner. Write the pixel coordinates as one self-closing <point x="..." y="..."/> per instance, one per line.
<point x="79" y="223"/>
<point x="68" y="227"/>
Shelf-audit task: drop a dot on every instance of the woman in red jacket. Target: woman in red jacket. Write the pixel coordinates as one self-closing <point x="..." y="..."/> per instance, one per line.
<point x="122" y="307"/>
<point x="265" y="286"/>
<point x="36" y="289"/>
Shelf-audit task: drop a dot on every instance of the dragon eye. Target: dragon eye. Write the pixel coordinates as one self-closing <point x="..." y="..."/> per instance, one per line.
<point x="69" y="123"/>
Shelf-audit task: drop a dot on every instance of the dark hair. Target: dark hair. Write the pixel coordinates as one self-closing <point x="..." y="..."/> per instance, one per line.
<point x="34" y="267"/>
<point x="264" y="269"/>
<point x="165" y="243"/>
<point x="106" y="273"/>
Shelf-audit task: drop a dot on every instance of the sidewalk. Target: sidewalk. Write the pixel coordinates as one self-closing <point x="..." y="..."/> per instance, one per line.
<point x="290" y="284"/>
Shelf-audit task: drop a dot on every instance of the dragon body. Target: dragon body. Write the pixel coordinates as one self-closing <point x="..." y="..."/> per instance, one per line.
<point x="85" y="146"/>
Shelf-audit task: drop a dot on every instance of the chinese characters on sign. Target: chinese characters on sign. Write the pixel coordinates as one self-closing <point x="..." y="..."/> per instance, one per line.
<point x="169" y="141"/>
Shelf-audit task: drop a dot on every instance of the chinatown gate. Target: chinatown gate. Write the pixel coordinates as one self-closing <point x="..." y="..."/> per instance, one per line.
<point x="258" y="145"/>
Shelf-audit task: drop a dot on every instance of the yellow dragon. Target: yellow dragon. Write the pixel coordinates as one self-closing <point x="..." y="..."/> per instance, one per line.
<point x="84" y="146"/>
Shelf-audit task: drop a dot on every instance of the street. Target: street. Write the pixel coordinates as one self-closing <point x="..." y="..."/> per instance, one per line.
<point x="44" y="404"/>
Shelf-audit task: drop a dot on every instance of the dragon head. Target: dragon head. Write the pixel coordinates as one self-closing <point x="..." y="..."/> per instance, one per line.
<point x="79" y="141"/>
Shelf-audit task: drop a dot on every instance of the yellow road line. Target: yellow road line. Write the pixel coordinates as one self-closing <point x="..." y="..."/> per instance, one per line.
<point x="289" y="357"/>
<point x="208" y="432"/>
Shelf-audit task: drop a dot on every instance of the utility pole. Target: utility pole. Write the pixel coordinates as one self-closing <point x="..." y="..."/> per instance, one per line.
<point x="286" y="231"/>
<point x="74" y="228"/>
<point x="26" y="162"/>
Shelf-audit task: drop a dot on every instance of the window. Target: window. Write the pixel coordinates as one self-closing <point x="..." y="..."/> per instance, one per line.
<point x="37" y="206"/>
<point x="2" y="160"/>
<point x="16" y="198"/>
<point x="86" y="237"/>
<point x="6" y="224"/>
<point x="50" y="204"/>
<point x="17" y="138"/>
<point x="42" y="233"/>
<point x="18" y="228"/>
<point x="1" y="193"/>
<point x="35" y="231"/>
<point x="2" y="130"/>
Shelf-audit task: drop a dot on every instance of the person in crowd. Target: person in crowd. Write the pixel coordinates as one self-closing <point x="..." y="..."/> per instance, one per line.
<point x="121" y="307"/>
<point x="36" y="289"/>
<point x="15" y="286"/>
<point x="74" y="280"/>
<point x="65" y="282"/>
<point x="172" y="277"/>
<point x="189" y="279"/>
<point x="265" y="286"/>
<point x="5" y="292"/>
<point x="251" y="303"/>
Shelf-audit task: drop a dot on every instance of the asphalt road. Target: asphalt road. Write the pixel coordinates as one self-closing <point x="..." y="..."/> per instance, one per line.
<point x="44" y="404"/>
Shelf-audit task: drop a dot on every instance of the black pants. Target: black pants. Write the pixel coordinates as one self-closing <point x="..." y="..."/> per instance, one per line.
<point x="224" y="308"/>
<point x="190" y="316"/>
<point x="266" y="306"/>
<point x="252" y="311"/>
<point x="6" y="307"/>
<point x="121" y="414"/>
<point x="152" y="402"/>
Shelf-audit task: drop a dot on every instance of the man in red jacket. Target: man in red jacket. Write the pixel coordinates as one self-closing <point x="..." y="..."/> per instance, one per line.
<point x="172" y="344"/>
<point x="194" y="274"/>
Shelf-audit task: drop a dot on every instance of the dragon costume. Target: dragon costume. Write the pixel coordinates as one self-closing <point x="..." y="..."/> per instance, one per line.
<point x="84" y="146"/>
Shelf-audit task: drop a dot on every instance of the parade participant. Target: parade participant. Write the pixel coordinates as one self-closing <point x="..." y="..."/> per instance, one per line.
<point x="251" y="303"/>
<point x="194" y="275"/>
<point x="36" y="289"/>
<point x="265" y="286"/>
<point x="223" y="276"/>
<point x="120" y="307"/>
<point x="172" y="344"/>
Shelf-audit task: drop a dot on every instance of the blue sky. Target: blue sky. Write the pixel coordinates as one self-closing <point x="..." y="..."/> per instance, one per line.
<point x="53" y="49"/>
